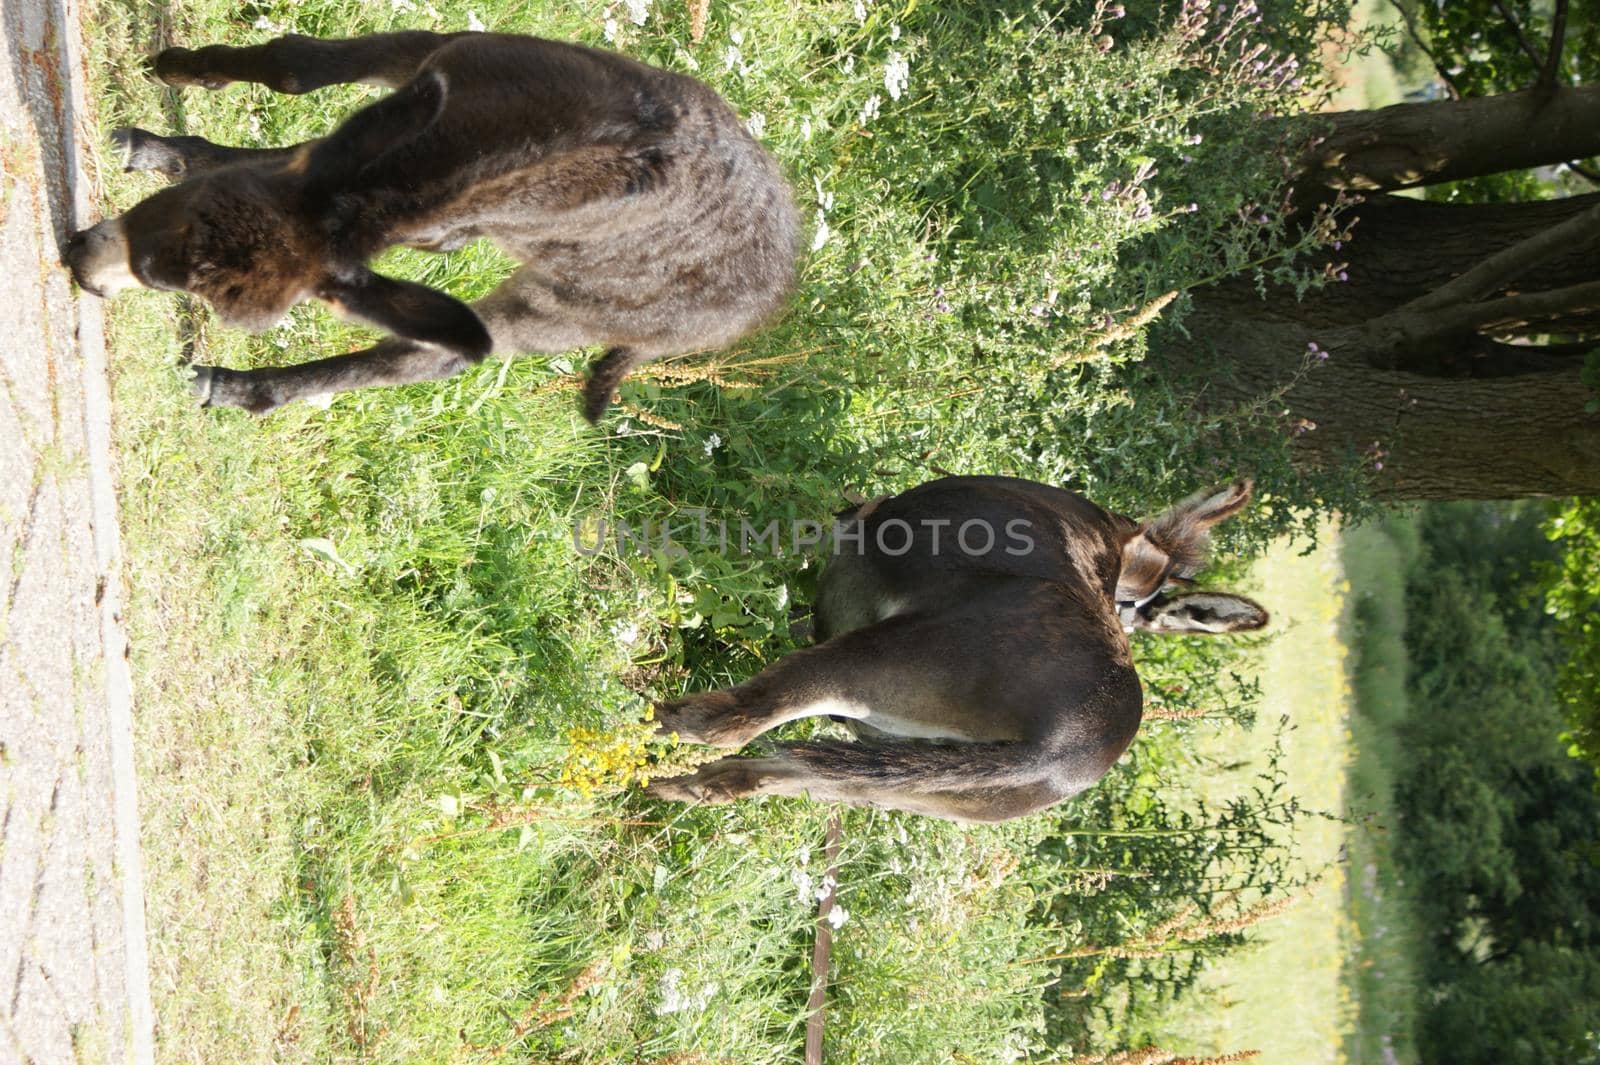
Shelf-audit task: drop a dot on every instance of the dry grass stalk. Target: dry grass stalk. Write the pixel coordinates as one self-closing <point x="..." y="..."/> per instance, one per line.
<point x="731" y="369"/>
<point x="1185" y="927"/>
<point x="1116" y="331"/>
<point x="698" y="10"/>
<point x="1162" y="713"/>
<point x="358" y="995"/>
<point x="1156" y="1056"/>
<point x="543" y="1012"/>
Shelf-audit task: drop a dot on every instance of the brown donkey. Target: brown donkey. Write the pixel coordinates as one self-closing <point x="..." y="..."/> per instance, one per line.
<point x="973" y="632"/>
<point x="646" y="217"/>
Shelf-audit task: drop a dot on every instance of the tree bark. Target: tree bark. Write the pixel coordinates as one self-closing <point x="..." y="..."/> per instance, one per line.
<point x="1407" y="145"/>
<point x="1418" y="437"/>
<point x="1453" y="416"/>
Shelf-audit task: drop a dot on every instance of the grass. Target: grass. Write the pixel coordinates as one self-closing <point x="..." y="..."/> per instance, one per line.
<point x="1284" y="994"/>
<point x="1380" y="970"/>
<point x="361" y="636"/>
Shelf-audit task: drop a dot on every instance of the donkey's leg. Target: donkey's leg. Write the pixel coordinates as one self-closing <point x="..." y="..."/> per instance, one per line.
<point x="958" y="782"/>
<point x="518" y="319"/>
<point x="910" y="675"/>
<point x="296" y="64"/>
<point x="393" y="361"/>
<point x="184" y="157"/>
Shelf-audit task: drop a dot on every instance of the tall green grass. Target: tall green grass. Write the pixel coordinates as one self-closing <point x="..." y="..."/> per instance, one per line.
<point x="361" y="634"/>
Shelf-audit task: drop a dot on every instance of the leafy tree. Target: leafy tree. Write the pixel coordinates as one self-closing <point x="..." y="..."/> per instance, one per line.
<point x="1500" y="830"/>
<point x="1572" y="596"/>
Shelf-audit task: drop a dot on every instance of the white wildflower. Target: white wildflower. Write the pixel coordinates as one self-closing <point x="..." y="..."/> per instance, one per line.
<point x="802" y="885"/>
<point x="860" y="11"/>
<point x="823" y="232"/>
<point x="733" y="59"/>
<point x="264" y="23"/>
<point x="849" y="64"/>
<point x="838" y="916"/>
<point x="626" y="633"/>
<point x="869" y="110"/>
<point x="675" y="1000"/>
<point x="756" y="124"/>
<point x="805" y="129"/>
<point x="824" y="197"/>
<point x="714" y="441"/>
<point x="474" y="23"/>
<point x="610" y="30"/>
<point x="896" y="75"/>
<point x="638" y="11"/>
<point x="894" y="31"/>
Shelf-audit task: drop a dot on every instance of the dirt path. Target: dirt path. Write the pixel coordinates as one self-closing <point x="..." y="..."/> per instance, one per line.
<point x="73" y="984"/>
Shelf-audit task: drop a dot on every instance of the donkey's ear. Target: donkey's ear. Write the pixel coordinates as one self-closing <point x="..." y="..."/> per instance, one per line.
<point x="410" y="310"/>
<point x="1216" y="504"/>
<point x="363" y="139"/>
<point x="1200" y="613"/>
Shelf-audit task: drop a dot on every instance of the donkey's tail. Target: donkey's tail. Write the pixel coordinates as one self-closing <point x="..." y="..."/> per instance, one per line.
<point x="922" y="765"/>
<point x="605" y="374"/>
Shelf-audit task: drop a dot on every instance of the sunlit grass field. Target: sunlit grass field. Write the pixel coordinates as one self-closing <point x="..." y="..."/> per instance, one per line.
<point x="1285" y="994"/>
<point x="362" y="635"/>
<point x="360" y="638"/>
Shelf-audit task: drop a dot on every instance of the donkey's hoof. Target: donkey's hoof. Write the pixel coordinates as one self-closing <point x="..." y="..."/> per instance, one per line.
<point x="181" y="68"/>
<point x="710" y="718"/>
<point x="714" y="784"/>
<point x="202" y="381"/>
<point x="142" y="150"/>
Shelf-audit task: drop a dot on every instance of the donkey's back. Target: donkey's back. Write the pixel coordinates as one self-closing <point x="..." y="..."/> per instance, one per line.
<point x="646" y="217"/>
<point x="973" y="632"/>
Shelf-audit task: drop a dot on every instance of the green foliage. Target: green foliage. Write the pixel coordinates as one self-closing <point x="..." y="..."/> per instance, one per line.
<point x="1572" y="598"/>
<point x="1500" y="829"/>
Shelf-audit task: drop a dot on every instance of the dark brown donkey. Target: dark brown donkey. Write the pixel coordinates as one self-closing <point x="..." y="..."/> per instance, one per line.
<point x="646" y="217"/>
<point x="973" y="631"/>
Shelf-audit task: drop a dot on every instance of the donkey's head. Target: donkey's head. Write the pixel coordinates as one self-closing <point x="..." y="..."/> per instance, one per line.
<point x="1165" y="553"/>
<point x="253" y="239"/>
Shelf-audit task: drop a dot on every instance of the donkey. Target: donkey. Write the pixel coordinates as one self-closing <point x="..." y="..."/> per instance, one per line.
<point x="645" y="216"/>
<point x="973" y="633"/>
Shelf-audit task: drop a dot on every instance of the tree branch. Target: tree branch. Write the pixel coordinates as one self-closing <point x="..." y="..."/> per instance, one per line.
<point x="1558" y="39"/>
<point x="1483" y="359"/>
<point x="1588" y="174"/>
<point x="1549" y="64"/>
<point x="1416" y="38"/>
<point x="1510" y="312"/>
<point x="1522" y="37"/>
<point x="1406" y="145"/>
<point x="1510" y="263"/>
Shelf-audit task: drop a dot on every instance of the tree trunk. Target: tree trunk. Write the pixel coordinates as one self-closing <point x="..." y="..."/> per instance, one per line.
<point x="1407" y="145"/>
<point x="1486" y="420"/>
